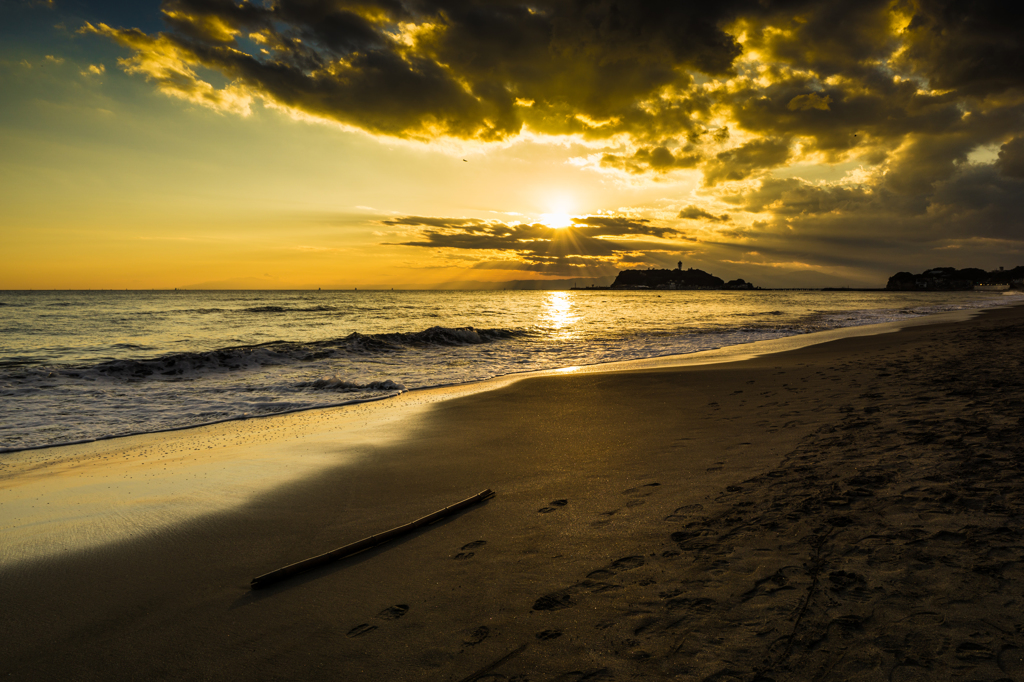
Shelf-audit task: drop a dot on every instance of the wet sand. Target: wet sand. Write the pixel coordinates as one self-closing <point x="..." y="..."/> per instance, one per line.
<point x="849" y="510"/>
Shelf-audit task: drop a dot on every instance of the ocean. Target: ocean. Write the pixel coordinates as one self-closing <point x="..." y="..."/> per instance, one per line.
<point x="84" y="365"/>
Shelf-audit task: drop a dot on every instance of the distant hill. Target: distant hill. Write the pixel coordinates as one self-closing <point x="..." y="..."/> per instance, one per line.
<point x="674" y="279"/>
<point x="951" y="279"/>
<point x="530" y="284"/>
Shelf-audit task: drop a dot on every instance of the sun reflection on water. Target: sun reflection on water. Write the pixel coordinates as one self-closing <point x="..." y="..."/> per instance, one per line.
<point x="559" y="314"/>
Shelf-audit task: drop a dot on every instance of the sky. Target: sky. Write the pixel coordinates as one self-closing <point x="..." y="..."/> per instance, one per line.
<point x="442" y="143"/>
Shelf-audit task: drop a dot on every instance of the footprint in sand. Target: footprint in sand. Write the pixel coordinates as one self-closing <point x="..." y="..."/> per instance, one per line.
<point x="563" y="599"/>
<point x="477" y="635"/>
<point x="390" y="613"/>
<point x="465" y="554"/>
<point x="635" y="493"/>
<point x="360" y="630"/>
<point x="642" y="490"/>
<point x="971" y="651"/>
<point x="555" y="504"/>
<point x="626" y="563"/>
<point x="553" y="602"/>
<point x="394" y="612"/>
<point x="547" y="635"/>
<point x="1011" y="661"/>
<point x="685" y="513"/>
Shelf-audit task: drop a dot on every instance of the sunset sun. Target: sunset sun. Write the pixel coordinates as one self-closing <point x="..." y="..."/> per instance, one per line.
<point x="556" y="220"/>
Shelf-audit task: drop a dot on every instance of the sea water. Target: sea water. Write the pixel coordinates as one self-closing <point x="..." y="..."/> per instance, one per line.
<point x="84" y="365"/>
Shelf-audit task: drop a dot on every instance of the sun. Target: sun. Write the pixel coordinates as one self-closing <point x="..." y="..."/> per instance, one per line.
<point x="556" y="220"/>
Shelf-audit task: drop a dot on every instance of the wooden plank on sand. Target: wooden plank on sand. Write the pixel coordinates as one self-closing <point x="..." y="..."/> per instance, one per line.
<point x="350" y="549"/>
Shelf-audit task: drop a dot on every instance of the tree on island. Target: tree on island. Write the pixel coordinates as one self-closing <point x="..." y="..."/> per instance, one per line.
<point x="674" y="279"/>
<point x="951" y="279"/>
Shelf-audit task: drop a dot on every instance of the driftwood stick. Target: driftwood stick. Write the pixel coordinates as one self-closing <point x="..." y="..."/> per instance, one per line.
<point x="488" y="668"/>
<point x="365" y="543"/>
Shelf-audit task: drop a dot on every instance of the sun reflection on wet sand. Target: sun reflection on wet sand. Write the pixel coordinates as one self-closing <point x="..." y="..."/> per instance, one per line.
<point x="70" y="498"/>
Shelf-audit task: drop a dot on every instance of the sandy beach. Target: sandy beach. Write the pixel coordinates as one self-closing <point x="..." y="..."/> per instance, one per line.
<point x="848" y="510"/>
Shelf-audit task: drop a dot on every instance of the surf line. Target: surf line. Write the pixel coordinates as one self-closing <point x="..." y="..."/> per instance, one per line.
<point x="366" y="543"/>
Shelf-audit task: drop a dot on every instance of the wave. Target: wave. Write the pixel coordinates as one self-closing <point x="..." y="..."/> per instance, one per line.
<point x="181" y="366"/>
<point x="253" y="310"/>
<point x="771" y="313"/>
<point x="266" y="309"/>
<point x="275" y="309"/>
<point x="435" y="336"/>
<point x="336" y="384"/>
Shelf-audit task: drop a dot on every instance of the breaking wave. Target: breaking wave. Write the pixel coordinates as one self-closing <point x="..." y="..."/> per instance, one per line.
<point x="337" y="384"/>
<point x="188" y="365"/>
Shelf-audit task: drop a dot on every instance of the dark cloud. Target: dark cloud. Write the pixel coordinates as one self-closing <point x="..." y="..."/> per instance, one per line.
<point x="973" y="213"/>
<point x="793" y="196"/>
<point x="841" y="117"/>
<point x="475" y="69"/>
<point x="694" y="213"/>
<point x="611" y="225"/>
<point x="909" y="90"/>
<point x="1011" y="158"/>
<point x="976" y="47"/>
<point x="742" y="162"/>
<point x="584" y="244"/>
<point x="484" y="69"/>
<point x="825" y="38"/>
<point x="979" y="201"/>
<point x="659" y="159"/>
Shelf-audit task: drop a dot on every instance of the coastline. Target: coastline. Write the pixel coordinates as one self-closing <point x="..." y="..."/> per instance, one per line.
<point x="584" y="584"/>
<point x="726" y="353"/>
<point x="168" y="477"/>
<point x="88" y="387"/>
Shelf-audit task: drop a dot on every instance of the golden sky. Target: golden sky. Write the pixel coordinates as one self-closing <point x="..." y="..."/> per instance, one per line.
<point x="427" y="143"/>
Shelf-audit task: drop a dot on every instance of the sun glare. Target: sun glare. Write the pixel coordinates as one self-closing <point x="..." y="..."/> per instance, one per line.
<point x="556" y="220"/>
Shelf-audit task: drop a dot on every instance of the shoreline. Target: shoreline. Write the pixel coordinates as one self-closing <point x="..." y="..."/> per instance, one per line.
<point x="170" y="480"/>
<point x="713" y="521"/>
<point x="729" y="353"/>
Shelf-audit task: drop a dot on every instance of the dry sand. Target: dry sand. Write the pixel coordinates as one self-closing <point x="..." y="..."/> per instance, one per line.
<point x="850" y="510"/>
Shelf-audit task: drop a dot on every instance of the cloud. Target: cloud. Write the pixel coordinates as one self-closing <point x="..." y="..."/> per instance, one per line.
<point x="809" y="101"/>
<point x="170" y="65"/>
<point x="471" y="69"/>
<point x="421" y="69"/>
<point x="873" y="229"/>
<point x="743" y="161"/>
<point x="1011" y="158"/>
<point x="592" y="242"/>
<point x="972" y="47"/>
<point x="764" y="100"/>
<point x="659" y="159"/>
<point x="695" y="213"/>
<point x="793" y="196"/>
